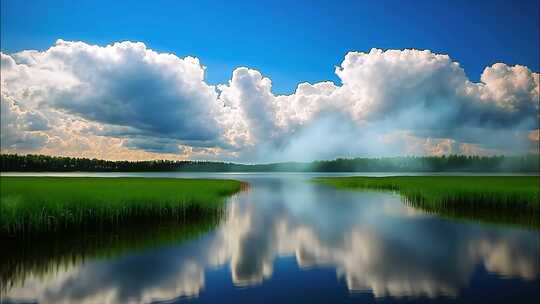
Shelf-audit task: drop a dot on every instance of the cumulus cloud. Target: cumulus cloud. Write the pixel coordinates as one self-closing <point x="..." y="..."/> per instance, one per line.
<point x="125" y="84"/>
<point x="19" y="128"/>
<point x="250" y="92"/>
<point x="389" y="102"/>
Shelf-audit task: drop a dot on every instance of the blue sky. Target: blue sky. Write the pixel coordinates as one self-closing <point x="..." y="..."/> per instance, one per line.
<point x="288" y="41"/>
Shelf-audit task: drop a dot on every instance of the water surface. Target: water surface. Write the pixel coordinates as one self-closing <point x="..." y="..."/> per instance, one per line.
<point x="287" y="240"/>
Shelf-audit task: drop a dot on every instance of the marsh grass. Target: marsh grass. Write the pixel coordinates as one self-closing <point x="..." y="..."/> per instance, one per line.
<point x="496" y="199"/>
<point x="33" y="205"/>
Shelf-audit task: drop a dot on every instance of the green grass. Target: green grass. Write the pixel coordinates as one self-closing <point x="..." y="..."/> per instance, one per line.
<point x="43" y="204"/>
<point x="499" y="199"/>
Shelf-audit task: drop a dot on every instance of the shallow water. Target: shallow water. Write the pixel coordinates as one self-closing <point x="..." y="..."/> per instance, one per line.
<point x="289" y="240"/>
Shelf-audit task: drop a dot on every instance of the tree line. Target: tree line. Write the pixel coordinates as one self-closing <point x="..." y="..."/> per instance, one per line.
<point x="445" y="163"/>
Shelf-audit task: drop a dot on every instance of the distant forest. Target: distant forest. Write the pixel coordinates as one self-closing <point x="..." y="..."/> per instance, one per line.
<point x="449" y="163"/>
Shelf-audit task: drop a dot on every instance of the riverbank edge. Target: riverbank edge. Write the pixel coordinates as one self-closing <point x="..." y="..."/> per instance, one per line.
<point x="508" y="200"/>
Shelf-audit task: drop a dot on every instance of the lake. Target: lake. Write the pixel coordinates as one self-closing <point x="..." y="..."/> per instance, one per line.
<point x="287" y="240"/>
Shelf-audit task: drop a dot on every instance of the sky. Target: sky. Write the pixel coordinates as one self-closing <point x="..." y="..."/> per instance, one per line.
<point x="290" y="41"/>
<point x="232" y="89"/>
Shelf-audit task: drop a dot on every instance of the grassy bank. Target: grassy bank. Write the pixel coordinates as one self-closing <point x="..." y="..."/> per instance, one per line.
<point x="501" y="199"/>
<point x="37" y="204"/>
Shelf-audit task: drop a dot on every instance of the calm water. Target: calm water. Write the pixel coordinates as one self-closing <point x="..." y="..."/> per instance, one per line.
<point x="289" y="241"/>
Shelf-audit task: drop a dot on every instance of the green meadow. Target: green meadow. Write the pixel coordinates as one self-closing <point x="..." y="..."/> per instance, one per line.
<point x="41" y="204"/>
<point x="498" y="199"/>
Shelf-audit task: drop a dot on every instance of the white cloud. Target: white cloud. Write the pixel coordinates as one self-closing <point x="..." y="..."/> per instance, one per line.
<point x="154" y="104"/>
<point x="21" y="129"/>
<point x="249" y="95"/>
<point x="124" y="84"/>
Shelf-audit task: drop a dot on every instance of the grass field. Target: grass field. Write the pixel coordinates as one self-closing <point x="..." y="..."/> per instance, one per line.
<point x="502" y="199"/>
<point x="37" y="204"/>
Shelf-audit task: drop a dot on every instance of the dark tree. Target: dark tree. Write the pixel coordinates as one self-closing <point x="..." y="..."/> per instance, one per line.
<point x="450" y="163"/>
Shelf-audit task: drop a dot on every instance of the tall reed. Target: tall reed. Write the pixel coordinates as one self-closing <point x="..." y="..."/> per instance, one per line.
<point x="505" y="199"/>
<point x="40" y="204"/>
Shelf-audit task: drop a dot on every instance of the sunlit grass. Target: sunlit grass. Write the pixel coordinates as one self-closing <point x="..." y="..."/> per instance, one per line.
<point x="34" y="204"/>
<point x="503" y="199"/>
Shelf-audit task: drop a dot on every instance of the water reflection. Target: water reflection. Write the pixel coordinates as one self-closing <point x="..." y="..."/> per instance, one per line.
<point x="375" y="243"/>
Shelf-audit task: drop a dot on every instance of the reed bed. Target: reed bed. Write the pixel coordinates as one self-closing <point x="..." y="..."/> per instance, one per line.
<point x="43" y="204"/>
<point x="502" y="199"/>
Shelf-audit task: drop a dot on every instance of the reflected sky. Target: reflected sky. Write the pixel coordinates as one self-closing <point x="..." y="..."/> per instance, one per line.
<point x="371" y="242"/>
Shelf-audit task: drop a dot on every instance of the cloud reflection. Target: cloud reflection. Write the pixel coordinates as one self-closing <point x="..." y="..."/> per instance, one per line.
<point x="374" y="242"/>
